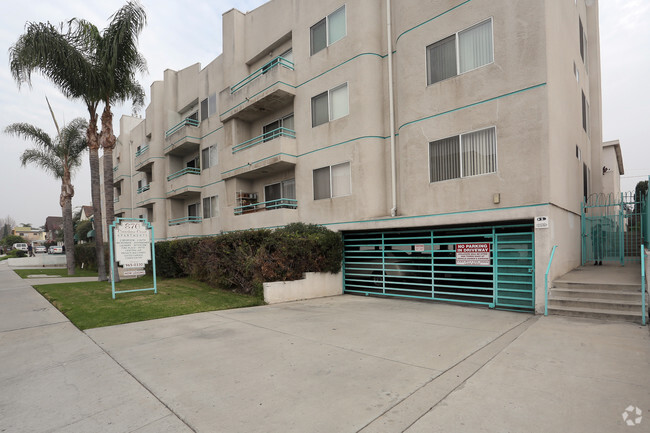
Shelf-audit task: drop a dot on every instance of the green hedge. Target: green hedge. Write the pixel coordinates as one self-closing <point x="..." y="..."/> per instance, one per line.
<point x="242" y="261"/>
<point x="84" y="254"/>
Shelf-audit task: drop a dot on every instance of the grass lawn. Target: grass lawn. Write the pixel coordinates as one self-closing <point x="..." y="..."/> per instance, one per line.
<point x="90" y="305"/>
<point x="61" y="272"/>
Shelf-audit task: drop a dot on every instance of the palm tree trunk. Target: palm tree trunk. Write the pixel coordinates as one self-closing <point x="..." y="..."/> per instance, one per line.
<point x="68" y="231"/>
<point x="93" y="147"/>
<point x="107" y="142"/>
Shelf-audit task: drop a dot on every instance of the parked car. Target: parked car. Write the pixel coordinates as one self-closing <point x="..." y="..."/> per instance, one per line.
<point x="55" y="250"/>
<point x="40" y="249"/>
<point x="20" y="246"/>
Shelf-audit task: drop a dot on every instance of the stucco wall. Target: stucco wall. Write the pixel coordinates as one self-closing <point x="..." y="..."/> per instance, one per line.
<point x="314" y="285"/>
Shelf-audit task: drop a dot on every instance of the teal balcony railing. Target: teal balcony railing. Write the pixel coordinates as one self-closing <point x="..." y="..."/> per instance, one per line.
<point x="278" y="61"/>
<point x="281" y="203"/>
<point x="267" y="136"/>
<point x="142" y="150"/>
<point x="183" y="172"/>
<point x="143" y="189"/>
<point x="184" y="220"/>
<point x="185" y="122"/>
<point x="115" y="168"/>
<point x="116" y="199"/>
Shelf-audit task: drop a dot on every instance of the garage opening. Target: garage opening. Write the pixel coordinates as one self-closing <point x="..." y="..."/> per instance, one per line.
<point x="487" y="265"/>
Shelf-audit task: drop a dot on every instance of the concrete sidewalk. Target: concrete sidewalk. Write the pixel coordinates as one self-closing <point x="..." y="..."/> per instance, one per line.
<point x="342" y="364"/>
<point x="53" y="378"/>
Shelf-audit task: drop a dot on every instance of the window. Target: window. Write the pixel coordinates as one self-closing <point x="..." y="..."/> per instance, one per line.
<point x="211" y="207"/>
<point x="332" y="181"/>
<point x="209" y="157"/>
<point x="281" y="194"/>
<point x="330" y="105"/>
<point x="193" y="211"/>
<point x="582" y="34"/>
<point x="459" y="53"/>
<point x="208" y="106"/>
<point x="193" y="163"/>
<point x="463" y="155"/>
<point x="576" y="72"/>
<point x="578" y="153"/>
<point x="585" y="113"/>
<point x="328" y="30"/>
<point x="271" y="131"/>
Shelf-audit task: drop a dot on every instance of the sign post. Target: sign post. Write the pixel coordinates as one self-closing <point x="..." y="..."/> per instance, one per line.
<point x="132" y="245"/>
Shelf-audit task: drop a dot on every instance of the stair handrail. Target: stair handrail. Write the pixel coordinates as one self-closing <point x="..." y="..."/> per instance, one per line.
<point x="643" y="254"/>
<point x="548" y="269"/>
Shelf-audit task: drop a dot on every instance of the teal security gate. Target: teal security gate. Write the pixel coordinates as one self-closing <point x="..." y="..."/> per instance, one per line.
<point x="614" y="227"/>
<point x="429" y="263"/>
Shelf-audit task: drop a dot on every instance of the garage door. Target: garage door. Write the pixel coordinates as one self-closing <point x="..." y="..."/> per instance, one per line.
<point x="491" y="266"/>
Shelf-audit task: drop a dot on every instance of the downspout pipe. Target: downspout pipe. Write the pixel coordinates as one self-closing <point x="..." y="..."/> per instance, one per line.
<point x="391" y="110"/>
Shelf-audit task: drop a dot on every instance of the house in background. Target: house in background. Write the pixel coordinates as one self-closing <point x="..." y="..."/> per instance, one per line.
<point x="29" y="234"/>
<point x="52" y="225"/>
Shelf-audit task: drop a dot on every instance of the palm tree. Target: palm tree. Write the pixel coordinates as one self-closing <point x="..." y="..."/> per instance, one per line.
<point x="59" y="157"/>
<point x="116" y="52"/>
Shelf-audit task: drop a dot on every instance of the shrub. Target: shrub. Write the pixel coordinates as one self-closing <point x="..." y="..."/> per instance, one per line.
<point x="243" y="260"/>
<point x="84" y="256"/>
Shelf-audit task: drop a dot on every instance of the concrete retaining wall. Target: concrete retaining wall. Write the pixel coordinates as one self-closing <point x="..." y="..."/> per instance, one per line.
<point x="39" y="261"/>
<point x="313" y="285"/>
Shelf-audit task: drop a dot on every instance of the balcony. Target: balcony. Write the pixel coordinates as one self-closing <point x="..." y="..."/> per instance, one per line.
<point x="185" y="220"/>
<point x="269" y="88"/>
<point x="184" y="183"/>
<point x="143" y="189"/>
<point x="141" y="150"/>
<point x="281" y="203"/>
<point x="183" y="138"/>
<point x="271" y="152"/>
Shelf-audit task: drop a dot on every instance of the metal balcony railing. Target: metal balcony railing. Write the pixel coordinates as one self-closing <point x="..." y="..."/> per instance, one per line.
<point x="278" y="61"/>
<point x="183" y="172"/>
<point x="142" y="150"/>
<point x="185" y="122"/>
<point x="115" y="168"/>
<point x="281" y="203"/>
<point x="143" y="189"/>
<point x="184" y="220"/>
<point x="278" y="132"/>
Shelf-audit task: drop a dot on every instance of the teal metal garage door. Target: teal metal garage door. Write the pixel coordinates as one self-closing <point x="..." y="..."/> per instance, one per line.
<point x="491" y="266"/>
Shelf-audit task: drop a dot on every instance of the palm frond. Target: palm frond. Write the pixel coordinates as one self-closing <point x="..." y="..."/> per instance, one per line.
<point x="30" y="133"/>
<point x="43" y="159"/>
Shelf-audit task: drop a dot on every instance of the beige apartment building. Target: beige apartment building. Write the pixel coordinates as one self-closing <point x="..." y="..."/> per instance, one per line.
<point x="493" y="106"/>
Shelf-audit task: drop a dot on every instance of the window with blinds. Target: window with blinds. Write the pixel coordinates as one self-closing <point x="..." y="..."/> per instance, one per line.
<point x="459" y="53"/>
<point x="464" y="155"/>
<point x="332" y="181"/>
<point x="330" y="105"/>
<point x="328" y="30"/>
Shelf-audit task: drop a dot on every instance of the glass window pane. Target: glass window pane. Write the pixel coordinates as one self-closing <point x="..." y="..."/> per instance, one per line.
<point x="206" y="207"/>
<point x="475" y="47"/>
<point x="214" y="206"/>
<point x="318" y="37"/>
<point x="204" y="109"/>
<point x="214" y="156"/>
<point x="341" y="179"/>
<point x="272" y="192"/>
<point x="270" y="130"/>
<point x="441" y="60"/>
<point x="289" y="189"/>
<point x="319" y="110"/>
<point x="322" y="183"/>
<point x="444" y="159"/>
<point x="479" y="152"/>
<point x="205" y="156"/>
<point x="287" y="122"/>
<point x="339" y="102"/>
<point x="336" y="24"/>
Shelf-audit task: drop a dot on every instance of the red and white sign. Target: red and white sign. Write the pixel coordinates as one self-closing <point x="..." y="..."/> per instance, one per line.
<point x="418" y="247"/>
<point x="473" y="254"/>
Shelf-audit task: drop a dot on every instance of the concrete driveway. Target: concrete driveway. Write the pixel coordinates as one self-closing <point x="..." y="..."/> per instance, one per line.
<point x="342" y="364"/>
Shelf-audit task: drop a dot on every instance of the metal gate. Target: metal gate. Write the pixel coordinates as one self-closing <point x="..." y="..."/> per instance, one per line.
<point x="423" y="263"/>
<point x="614" y="227"/>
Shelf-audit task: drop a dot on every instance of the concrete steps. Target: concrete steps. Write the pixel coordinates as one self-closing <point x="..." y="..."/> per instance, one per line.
<point x="618" y="301"/>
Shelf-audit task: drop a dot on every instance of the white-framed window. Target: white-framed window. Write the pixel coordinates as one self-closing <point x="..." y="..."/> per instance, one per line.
<point x="280" y="194"/>
<point x="193" y="210"/>
<point x="209" y="157"/>
<point x="330" y="105"/>
<point x="332" y="181"/>
<point x="211" y="207"/>
<point x="328" y="30"/>
<point x="585" y="113"/>
<point x="209" y="106"/>
<point x="461" y="52"/>
<point x="270" y="131"/>
<point x="470" y="154"/>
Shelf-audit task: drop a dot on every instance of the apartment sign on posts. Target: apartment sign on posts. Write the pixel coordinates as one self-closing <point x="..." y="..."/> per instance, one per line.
<point x="132" y="244"/>
<point x="477" y="254"/>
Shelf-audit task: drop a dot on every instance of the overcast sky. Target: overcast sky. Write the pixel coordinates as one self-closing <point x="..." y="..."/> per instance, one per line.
<point x="180" y="33"/>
